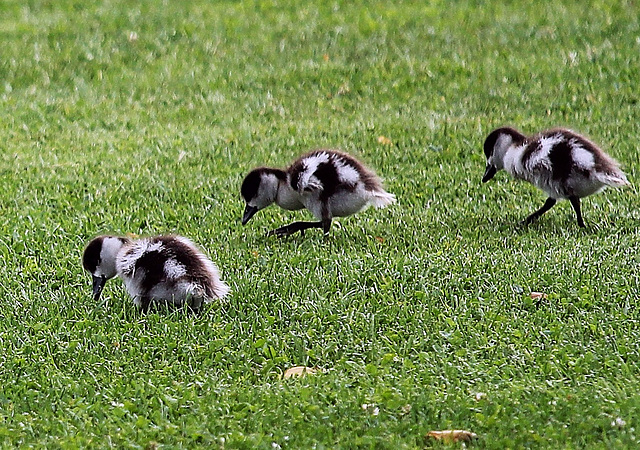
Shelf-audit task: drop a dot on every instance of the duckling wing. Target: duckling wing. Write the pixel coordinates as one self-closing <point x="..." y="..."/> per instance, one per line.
<point x="318" y="179"/>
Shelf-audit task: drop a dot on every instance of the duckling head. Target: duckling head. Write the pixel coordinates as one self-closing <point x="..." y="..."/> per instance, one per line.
<point x="259" y="190"/>
<point x="496" y="146"/>
<point x="99" y="259"/>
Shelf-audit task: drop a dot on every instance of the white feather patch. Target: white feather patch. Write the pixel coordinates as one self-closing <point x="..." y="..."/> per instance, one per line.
<point x="311" y="163"/>
<point x="173" y="269"/>
<point x="126" y="260"/>
<point x="582" y="157"/>
<point x="382" y="199"/>
<point x="541" y="156"/>
<point x="346" y="173"/>
<point x="110" y="248"/>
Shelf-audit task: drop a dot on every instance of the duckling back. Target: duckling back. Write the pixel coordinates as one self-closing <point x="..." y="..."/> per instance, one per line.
<point x="169" y="268"/>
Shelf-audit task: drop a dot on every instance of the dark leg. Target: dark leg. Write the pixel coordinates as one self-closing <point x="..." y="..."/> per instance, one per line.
<point x="326" y="226"/>
<point x="144" y="303"/>
<point x="546" y="207"/>
<point x="326" y="219"/>
<point x="575" y="202"/>
<point x="290" y="229"/>
<point x="194" y="303"/>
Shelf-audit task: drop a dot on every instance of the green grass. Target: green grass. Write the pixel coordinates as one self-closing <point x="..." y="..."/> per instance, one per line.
<point x="144" y="117"/>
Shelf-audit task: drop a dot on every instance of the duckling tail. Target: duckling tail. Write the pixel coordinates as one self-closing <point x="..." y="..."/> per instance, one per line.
<point x="220" y="289"/>
<point x="617" y="179"/>
<point x="380" y="199"/>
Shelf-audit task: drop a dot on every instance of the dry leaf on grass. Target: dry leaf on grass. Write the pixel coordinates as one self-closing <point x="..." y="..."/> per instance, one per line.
<point x="449" y="436"/>
<point x="298" y="371"/>
<point x="384" y="140"/>
<point x="537" y="295"/>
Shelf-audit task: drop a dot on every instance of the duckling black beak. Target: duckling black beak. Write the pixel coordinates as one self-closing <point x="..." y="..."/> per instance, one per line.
<point x="489" y="173"/>
<point x="98" y="285"/>
<point x="249" y="211"/>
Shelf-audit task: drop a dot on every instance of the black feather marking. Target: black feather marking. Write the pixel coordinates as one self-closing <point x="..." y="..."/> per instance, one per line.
<point x="531" y="149"/>
<point x="251" y="183"/>
<point x="328" y="176"/>
<point x="151" y="263"/>
<point x="490" y="142"/>
<point x="561" y="162"/>
<point x="294" y="172"/>
<point x="91" y="255"/>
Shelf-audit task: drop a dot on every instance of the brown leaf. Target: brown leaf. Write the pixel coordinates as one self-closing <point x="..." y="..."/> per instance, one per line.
<point x="449" y="436"/>
<point x="299" y="371"/>
<point x="380" y="239"/>
<point x="325" y="57"/>
<point x="537" y="295"/>
<point x="384" y="140"/>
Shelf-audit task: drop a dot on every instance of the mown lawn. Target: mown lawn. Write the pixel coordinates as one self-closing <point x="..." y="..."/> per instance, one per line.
<point x="143" y="117"/>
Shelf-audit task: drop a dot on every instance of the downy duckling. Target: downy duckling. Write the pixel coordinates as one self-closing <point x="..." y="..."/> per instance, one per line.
<point x="162" y="268"/>
<point x="562" y="163"/>
<point x="326" y="182"/>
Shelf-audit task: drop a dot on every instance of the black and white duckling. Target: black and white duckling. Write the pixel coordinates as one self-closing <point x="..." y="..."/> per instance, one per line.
<point x="326" y="182"/>
<point x="169" y="269"/>
<point x="562" y="163"/>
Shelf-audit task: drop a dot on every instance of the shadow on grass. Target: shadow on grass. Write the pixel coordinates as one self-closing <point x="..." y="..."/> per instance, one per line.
<point x="547" y="225"/>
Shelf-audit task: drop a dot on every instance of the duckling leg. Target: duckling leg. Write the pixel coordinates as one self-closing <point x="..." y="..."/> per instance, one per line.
<point x="546" y="207"/>
<point x="326" y="218"/>
<point x="575" y="202"/>
<point x="294" y="227"/>
<point x="326" y="225"/>
<point x="195" y="303"/>
<point x="144" y="303"/>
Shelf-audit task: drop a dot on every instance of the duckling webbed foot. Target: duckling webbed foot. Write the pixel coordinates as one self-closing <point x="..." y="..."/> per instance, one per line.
<point x="546" y="207"/>
<point x="293" y="228"/>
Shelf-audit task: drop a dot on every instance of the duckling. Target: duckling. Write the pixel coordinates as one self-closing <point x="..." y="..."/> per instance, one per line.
<point x="562" y="163"/>
<point x="162" y="268"/>
<point x="328" y="183"/>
